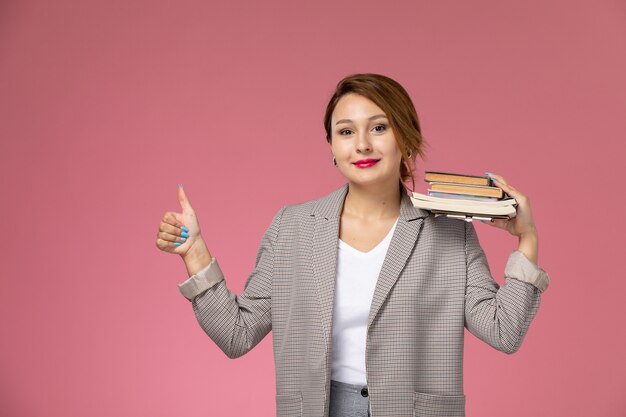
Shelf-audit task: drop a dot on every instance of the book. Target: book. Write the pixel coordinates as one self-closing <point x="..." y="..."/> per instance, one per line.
<point x="444" y="194"/>
<point x="476" y="190"/>
<point x="501" y="209"/>
<point x="463" y="200"/>
<point x="438" y="176"/>
<point x="465" y="197"/>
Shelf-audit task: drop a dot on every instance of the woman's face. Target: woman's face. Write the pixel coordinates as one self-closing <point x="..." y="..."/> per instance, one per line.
<point x="363" y="143"/>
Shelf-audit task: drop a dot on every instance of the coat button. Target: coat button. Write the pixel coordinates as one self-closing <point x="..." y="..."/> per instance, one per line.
<point x="364" y="392"/>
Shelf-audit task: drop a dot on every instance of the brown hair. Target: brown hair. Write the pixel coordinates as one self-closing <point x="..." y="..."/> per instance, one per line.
<point x="393" y="99"/>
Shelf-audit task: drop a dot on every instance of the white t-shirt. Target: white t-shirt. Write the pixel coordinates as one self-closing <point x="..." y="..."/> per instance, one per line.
<point x="357" y="273"/>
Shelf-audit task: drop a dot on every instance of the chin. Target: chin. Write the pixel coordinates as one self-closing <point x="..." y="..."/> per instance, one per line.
<point x="375" y="176"/>
<point x="361" y="181"/>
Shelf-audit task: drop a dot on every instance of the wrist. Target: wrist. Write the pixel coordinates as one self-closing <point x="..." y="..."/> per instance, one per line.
<point x="529" y="245"/>
<point x="530" y="233"/>
<point x="197" y="257"/>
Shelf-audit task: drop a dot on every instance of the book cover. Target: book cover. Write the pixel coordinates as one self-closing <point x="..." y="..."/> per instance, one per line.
<point x="445" y="194"/>
<point x="476" y="190"/>
<point x="496" y="209"/>
<point x="439" y="176"/>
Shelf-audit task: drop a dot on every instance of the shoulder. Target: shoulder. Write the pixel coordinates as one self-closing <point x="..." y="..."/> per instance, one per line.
<point x="447" y="230"/>
<point x="295" y="221"/>
<point x="326" y="206"/>
<point x="445" y="222"/>
<point x="298" y="210"/>
<point x="294" y="224"/>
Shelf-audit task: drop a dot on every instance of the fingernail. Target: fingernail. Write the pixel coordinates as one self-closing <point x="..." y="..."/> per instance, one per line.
<point x="177" y="243"/>
<point x="182" y="239"/>
<point x="180" y="186"/>
<point x="489" y="173"/>
<point x="184" y="228"/>
<point x="185" y="234"/>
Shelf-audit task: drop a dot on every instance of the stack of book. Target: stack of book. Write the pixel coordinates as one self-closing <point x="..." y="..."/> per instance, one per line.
<point x="465" y="197"/>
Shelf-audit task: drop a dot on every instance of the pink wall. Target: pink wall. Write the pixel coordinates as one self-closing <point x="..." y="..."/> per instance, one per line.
<point x="106" y="106"/>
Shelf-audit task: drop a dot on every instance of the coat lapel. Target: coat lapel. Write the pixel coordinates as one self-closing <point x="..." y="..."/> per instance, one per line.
<point x="327" y="214"/>
<point x="400" y="248"/>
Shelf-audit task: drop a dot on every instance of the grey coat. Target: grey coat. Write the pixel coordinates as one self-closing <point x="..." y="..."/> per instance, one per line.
<point x="435" y="281"/>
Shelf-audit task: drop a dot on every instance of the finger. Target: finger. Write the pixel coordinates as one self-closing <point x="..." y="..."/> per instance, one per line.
<point x="175" y="219"/>
<point x="166" y="246"/>
<point x="498" y="178"/>
<point x="501" y="183"/>
<point x="182" y="198"/>
<point x="171" y="229"/>
<point x="499" y="223"/>
<point x="171" y="237"/>
<point x="179" y="219"/>
<point x="510" y="190"/>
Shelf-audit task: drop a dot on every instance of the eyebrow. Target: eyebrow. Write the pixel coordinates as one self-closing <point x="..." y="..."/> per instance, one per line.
<point x="377" y="116"/>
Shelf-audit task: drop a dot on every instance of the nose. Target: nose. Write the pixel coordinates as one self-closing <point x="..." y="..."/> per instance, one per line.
<point x="363" y="143"/>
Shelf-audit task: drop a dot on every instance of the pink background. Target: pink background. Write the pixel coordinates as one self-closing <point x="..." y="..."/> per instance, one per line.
<point x="105" y="106"/>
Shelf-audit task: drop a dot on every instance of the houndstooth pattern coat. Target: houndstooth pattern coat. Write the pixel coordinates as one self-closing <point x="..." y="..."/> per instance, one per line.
<point x="435" y="281"/>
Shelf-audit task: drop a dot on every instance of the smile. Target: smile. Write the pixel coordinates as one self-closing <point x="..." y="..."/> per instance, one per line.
<point x="366" y="163"/>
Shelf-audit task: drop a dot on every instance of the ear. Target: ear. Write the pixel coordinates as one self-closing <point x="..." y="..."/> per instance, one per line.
<point x="410" y="163"/>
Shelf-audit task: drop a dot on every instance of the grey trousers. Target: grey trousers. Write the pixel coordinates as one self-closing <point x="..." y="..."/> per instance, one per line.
<point x="348" y="400"/>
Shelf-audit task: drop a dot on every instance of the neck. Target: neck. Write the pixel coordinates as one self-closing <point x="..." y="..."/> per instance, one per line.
<point x="372" y="202"/>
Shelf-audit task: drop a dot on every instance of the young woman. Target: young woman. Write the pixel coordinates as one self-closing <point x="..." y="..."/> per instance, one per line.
<point x="366" y="295"/>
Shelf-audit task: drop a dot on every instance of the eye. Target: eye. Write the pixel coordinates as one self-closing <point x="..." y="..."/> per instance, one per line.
<point x="380" y="128"/>
<point x="345" y="132"/>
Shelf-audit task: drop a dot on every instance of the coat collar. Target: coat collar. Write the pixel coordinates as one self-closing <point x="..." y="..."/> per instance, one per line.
<point x="327" y="213"/>
<point x="330" y="206"/>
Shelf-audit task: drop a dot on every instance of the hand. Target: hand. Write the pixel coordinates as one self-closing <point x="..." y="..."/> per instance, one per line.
<point x="171" y="232"/>
<point x="523" y="223"/>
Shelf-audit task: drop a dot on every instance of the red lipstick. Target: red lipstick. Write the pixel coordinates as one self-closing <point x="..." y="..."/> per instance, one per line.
<point x="366" y="163"/>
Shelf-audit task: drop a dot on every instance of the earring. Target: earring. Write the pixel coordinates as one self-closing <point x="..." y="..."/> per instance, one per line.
<point x="334" y="161"/>
<point x="409" y="153"/>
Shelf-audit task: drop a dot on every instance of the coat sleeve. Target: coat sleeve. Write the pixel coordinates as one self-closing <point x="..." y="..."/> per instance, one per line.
<point x="236" y="323"/>
<point x="500" y="315"/>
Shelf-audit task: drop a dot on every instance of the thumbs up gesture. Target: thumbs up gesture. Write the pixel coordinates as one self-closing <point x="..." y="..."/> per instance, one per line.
<point x="179" y="232"/>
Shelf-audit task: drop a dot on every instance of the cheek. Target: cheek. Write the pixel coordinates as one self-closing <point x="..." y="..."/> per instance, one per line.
<point x="397" y="158"/>
<point x="394" y="152"/>
<point x="339" y="149"/>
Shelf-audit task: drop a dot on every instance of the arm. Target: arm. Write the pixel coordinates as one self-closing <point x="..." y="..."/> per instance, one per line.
<point x="235" y="323"/>
<point x="500" y="316"/>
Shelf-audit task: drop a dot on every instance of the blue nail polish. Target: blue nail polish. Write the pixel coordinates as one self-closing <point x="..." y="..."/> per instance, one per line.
<point x="184" y="228"/>
<point x="185" y="234"/>
<point x="177" y="243"/>
<point x="489" y="173"/>
<point x="183" y="239"/>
